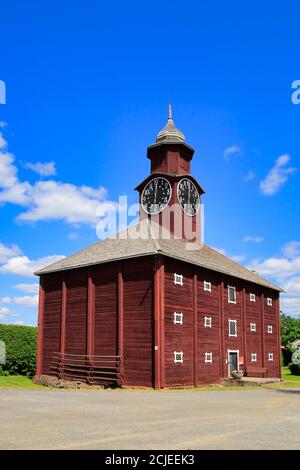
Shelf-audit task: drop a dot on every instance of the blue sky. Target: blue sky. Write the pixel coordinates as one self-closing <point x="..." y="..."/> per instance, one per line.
<point x="87" y="89"/>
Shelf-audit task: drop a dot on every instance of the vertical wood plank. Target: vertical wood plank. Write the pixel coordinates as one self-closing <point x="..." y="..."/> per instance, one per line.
<point x="157" y="315"/>
<point x="63" y="316"/>
<point x="278" y="335"/>
<point x="39" y="359"/>
<point x="221" y="336"/>
<point x="244" y="327"/>
<point x="90" y="314"/>
<point x="263" y="330"/>
<point x="162" y="323"/>
<point x="120" y="310"/>
<point x="195" y="320"/>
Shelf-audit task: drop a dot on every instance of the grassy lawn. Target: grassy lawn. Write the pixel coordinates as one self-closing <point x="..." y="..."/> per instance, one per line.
<point x="17" y="381"/>
<point x="289" y="379"/>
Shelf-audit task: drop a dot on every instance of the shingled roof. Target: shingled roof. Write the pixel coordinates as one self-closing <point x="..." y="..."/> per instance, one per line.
<point x="143" y="240"/>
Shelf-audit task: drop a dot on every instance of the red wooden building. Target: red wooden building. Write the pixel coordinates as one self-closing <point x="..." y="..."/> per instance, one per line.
<point x="153" y="306"/>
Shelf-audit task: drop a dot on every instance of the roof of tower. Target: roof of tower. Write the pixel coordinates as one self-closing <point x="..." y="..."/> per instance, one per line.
<point x="146" y="238"/>
<point x="170" y="133"/>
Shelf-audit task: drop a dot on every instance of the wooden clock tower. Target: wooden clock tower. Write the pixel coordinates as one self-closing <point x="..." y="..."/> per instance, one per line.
<point x="170" y="196"/>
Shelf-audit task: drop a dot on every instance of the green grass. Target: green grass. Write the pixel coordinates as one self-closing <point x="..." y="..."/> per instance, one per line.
<point x="21" y="382"/>
<point x="289" y="379"/>
<point x="17" y="381"/>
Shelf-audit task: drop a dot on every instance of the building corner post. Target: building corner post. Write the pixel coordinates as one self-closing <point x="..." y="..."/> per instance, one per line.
<point x="91" y="314"/>
<point x="120" y="313"/>
<point x="195" y="321"/>
<point x="278" y="334"/>
<point x="263" y="330"/>
<point x="157" y="321"/>
<point x="39" y="355"/>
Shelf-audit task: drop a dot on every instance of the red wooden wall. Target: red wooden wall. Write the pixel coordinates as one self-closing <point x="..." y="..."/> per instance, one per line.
<point x="52" y="317"/>
<point x="110" y="309"/>
<point x="138" y="321"/>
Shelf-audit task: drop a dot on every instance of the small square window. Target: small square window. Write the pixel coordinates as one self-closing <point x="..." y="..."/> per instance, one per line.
<point x="270" y="329"/>
<point x="253" y="357"/>
<point x="178" y="279"/>
<point x="252" y="297"/>
<point x="232" y="328"/>
<point x="231" y="295"/>
<point x="207" y="322"/>
<point x="208" y="357"/>
<point x="270" y="357"/>
<point x="207" y="286"/>
<point x="178" y="357"/>
<point x="178" y="318"/>
<point x="252" y="326"/>
<point x="269" y="301"/>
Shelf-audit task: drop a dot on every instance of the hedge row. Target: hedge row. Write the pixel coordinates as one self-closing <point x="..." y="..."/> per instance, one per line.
<point x="20" y="345"/>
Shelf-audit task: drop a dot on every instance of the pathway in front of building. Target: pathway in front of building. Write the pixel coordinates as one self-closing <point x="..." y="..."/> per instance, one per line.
<point x="113" y="419"/>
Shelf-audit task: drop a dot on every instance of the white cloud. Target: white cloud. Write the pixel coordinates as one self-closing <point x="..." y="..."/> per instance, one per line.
<point x="254" y="239"/>
<point x="18" y="322"/>
<point x="23" y="266"/>
<point x="42" y="169"/>
<point x="30" y="301"/>
<point x="49" y="200"/>
<point x="249" y="176"/>
<point x="279" y="268"/>
<point x="53" y="200"/>
<point x="232" y="150"/>
<point x="285" y="272"/>
<point x="277" y="176"/>
<point x="5" y="300"/>
<point x="73" y="236"/>
<point x="291" y="249"/>
<point x="7" y="252"/>
<point x="3" y="124"/>
<point x="29" y="288"/>
<point x="3" y="143"/>
<point x="4" y="310"/>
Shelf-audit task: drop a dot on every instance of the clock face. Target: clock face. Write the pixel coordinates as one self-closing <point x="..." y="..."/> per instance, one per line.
<point x="188" y="197"/>
<point x="156" y="195"/>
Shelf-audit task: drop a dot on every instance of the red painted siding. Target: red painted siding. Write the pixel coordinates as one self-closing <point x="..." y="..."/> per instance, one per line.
<point x="178" y="337"/>
<point x="76" y="311"/>
<point x="208" y="338"/>
<point x="106" y="310"/>
<point x="138" y="321"/>
<point x="271" y="338"/>
<point x="51" y="326"/>
<point x="232" y="311"/>
<point x="253" y="315"/>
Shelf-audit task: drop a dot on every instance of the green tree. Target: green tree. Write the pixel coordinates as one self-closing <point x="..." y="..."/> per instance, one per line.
<point x="290" y="331"/>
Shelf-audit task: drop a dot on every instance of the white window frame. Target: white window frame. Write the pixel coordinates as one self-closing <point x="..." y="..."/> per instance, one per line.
<point x="178" y="279"/>
<point x="270" y="329"/>
<point x="252" y="326"/>
<point x="235" y="322"/>
<point x="207" y="286"/>
<point x="252" y="297"/>
<point x="178" y="318"/>
<point x="253" y="357"/>
<point x="178" y="357"/>
<point x="208" y="358"/>
<point x="207" y="322"/>
<point x="234" y="290"/>
<point x="270" y="357"/>
<point x="269" y="301"/>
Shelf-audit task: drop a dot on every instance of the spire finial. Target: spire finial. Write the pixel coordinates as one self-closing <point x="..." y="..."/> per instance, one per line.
<point x="170" y="111"/>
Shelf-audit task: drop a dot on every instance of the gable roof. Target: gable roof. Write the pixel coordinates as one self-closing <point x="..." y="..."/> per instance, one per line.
<point x="146" y="239"/>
